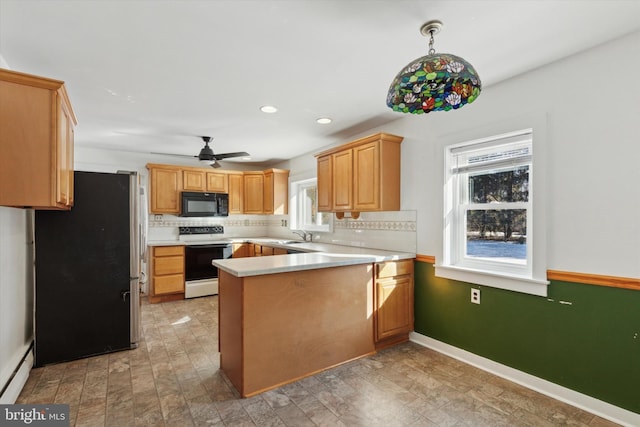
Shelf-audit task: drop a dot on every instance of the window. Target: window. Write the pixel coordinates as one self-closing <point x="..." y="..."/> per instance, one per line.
<point x="304" y="203"/>
<point x="488" y="236"/>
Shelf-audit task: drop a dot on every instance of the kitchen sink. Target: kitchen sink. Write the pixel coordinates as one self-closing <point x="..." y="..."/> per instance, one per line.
<point x="289" y="242"/>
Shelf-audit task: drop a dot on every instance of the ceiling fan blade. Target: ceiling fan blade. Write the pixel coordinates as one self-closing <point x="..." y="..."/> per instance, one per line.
<point x="174" y="155"/>
<point x="216" y="165"/>
<point x="228" y="155"/>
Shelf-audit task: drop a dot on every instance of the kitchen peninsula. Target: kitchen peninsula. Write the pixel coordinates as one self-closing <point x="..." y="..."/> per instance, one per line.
<point x="285" y="317"/>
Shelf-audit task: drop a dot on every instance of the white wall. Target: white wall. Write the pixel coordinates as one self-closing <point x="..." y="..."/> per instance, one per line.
<point x="16" y="291"/>
<point x="591" y="107"/>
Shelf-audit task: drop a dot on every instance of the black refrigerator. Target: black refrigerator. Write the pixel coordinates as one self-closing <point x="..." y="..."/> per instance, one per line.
<point x="87" y="263"/>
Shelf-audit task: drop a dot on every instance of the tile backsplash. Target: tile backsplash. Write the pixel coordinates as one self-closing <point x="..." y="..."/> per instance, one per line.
<point x="379" y="230"/>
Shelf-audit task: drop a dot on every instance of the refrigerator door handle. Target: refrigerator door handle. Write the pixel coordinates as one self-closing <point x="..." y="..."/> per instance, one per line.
<point x="124" y="295"/>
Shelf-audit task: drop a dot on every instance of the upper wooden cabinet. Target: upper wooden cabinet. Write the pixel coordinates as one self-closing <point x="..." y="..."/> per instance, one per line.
<point x="342" y="180"/>
<point x="37" y="127"/>
<point x="325" y="174"/>
<point x="253" y="192"/>
<point x="200" y="180"/>
<point x="217" y="182"/>
<point x="236" y="191"/>
<point x="276" y="192"/>
<point x="250" y="192"/>
<point x="165" y="184"/>
<point x="194" y="180"/>
<point x="360" y="176"/>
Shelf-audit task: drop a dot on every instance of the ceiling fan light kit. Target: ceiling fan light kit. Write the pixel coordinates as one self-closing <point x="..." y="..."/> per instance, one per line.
<point x="436" y="82"/>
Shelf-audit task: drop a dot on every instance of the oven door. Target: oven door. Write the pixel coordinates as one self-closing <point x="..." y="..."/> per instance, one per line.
<point x="198" y="260"/>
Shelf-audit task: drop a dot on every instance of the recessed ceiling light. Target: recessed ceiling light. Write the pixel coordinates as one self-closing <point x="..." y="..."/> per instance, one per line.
<point x="268" y="109"/>
<point x="324" y="120"/>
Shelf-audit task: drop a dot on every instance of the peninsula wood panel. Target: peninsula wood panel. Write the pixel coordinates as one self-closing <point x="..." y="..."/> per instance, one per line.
<point x="230" y="327"/>
<point x="293" y="324"/>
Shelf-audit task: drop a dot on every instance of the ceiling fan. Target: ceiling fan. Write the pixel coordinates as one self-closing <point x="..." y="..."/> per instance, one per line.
<point x="208" y="156"/>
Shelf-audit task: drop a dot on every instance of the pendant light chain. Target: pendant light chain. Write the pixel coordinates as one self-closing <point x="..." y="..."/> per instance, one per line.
<point x="431" y="49"/>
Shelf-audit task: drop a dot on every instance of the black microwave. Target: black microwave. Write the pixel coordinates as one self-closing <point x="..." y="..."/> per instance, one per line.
<point x="204" y="204"/>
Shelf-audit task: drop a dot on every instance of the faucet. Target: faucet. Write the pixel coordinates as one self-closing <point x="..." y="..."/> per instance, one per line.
<point x="304" y="235"/>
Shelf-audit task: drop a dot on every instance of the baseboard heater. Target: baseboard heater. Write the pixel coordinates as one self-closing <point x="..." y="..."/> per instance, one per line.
<point x="11" y="390"/>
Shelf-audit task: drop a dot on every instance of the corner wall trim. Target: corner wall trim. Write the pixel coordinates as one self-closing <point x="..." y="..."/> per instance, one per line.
<point x="426" y="258"/>
<point x="568" y="276"/>
<point x="590" y="404"/>
<point x="594" y="279"/>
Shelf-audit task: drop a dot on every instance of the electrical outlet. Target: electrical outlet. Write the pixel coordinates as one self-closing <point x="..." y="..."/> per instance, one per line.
<point x="475" y="296"/>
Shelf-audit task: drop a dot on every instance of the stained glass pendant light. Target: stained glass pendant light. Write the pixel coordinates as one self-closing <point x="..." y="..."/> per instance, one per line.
<point x="436" y="82"/>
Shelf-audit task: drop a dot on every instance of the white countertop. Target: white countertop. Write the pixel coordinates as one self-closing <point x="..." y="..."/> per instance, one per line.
<point x="319" y="255"/>
<point x="257" y="266"/>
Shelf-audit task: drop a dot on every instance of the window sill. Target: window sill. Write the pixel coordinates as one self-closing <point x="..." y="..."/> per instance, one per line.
<point x="502" y="281"/>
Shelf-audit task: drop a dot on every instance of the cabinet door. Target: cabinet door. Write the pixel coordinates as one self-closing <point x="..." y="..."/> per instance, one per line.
<point x="394" y="298"/>
<point x="168" y="265"/>
<point x="64" y="172"/>
<point x="267" y="194"/>
<point x="169" y="284"/>
<point x="257" y="250"/>
<point x="276" y="193"/>
<point x="217" y="182"/>
<point x="253" y="193"/>
<point x="193" y="180"/>
<point x="165" y="190"/>
<point x="280" y="251"/>
<point x="342" y="186"/>
<point x="236" y="202"/>
<point x="366" y="177"/>
<point x="325" y="172"/>
<point x="240" y="250"/>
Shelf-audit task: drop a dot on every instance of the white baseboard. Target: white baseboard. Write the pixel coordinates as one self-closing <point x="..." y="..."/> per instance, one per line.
<point x="598" y="407"/>
<point x="18" y="381"/>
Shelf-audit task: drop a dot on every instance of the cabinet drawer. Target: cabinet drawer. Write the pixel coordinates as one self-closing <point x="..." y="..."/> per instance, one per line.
<point x="394" y="268"/>
<point x="168" y="265"/>
<point x="168" y="284"/>
<point x="168" y="250"/>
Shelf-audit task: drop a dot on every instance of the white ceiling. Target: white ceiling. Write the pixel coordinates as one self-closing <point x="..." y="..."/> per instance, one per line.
<point x="153" y="76"/>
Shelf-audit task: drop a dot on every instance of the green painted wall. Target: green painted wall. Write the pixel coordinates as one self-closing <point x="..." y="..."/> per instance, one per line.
<point x="583" y="337"/>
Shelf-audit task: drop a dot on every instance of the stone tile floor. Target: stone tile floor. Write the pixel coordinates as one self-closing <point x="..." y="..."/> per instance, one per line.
<point x="173" y="379"/>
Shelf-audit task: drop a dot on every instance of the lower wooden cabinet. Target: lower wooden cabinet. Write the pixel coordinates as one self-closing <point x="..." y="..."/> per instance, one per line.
<point x="262" y="250"/>
<point x="167" y="273"/>
<point x="394" y="302"/>
<point x="241" y="250"/>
